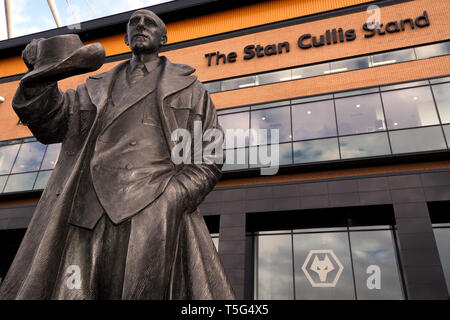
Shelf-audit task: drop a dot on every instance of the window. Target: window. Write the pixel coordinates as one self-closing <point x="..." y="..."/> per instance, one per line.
<point x="365" y="145"/>
<point x="236" y="159"/>
<point x="213" y="87"/>
<point x="239" y="83"/>
<point x="350" y="64"/>
<point x="273" y="77"/>
<point x="233" y="123"/>
<point x="327" y="256"/>
<point x="7" y="156"/>
<point x="51" y="157"/>
<point x="29" y="157"/>
<point x="412" y="107"/>
<point x="316" y="150"/>
<point x="20" y="182"/>
<point x="2" y="182"/>
<point x="268" y="119"/>
<point x="274" y="272"/>
<point x="393" y="57"/>
<point x="434" y="50"/>
<point x="311" y="71"/>
<point x="442" y="96"/>
<point x="42" y="180"/>
<point x="416" y="140"/>
<point x="360" y="114"/>
<point x="261" y="156"/>
<point x="313" y="120"/>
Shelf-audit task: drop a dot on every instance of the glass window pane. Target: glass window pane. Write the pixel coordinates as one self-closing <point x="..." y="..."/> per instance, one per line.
<point x="316" y="150"/>
<point x="447" y="132"/>
<point x="360" y="114"/>
<point x="318" y="275"/>
<point x="213" y="87"/>
<point x="393" y="57"/>
<point x="442" y="96"/>
<point x="365" y="145"/>
<point x="274" y="276"/>
<point x="236" y="128"/>
<point x="433" y="50"/>
<point x="30" y="157"/>
<point x="7" y="156"/>
<point x="42" y="180"/>
<point x="236" y="159"/>
<point x="262" y="156"/>
<point x="413" y="107"/>
<point x="350" y="64"/>
<point x="20" y="182"/>
<point x="2" y="182"/>
<point x="273" y="77"/>
<point x="238" y="83"/>
<point x="268" y="119"/>
<point x="416" y="140"/>
<point x="314" y="120"/>
<point x="375" y="266"/>
<point x="51" y="156"/>
<point x="442" y="236"/>
<point x="311" y="71"/>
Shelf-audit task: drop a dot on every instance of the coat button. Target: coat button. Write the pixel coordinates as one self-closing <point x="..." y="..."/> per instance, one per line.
<point x="129" y="166"/>
<point x="133" y="143"/>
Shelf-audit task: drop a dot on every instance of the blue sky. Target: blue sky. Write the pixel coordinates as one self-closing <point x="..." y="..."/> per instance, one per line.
<point x="30" y="16"/>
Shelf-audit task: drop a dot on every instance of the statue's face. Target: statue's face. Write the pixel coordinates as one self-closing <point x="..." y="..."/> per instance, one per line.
<point x="144" y="34"/>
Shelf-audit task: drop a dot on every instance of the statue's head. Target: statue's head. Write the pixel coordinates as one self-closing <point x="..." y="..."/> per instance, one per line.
<point x="146" y="32"/>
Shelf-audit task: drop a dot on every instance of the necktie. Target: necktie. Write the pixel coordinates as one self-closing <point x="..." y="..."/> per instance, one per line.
<point x="137" y="74"/>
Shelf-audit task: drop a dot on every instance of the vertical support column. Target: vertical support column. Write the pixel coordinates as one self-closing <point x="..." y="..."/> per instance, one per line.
<point x="9" y="24"/>
<point x="232" y="249"/>
<point x="54" y="10"/>
<point x="418" y="251"/>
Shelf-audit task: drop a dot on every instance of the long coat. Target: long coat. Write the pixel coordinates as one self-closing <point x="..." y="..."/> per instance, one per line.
<point x="71" y="118"/>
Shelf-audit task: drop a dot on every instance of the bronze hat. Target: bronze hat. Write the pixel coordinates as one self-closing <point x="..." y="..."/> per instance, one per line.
<point x="61" y="57"/>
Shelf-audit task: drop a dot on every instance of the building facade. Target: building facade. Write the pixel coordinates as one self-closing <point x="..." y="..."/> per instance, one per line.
<point x="349" y="196"/>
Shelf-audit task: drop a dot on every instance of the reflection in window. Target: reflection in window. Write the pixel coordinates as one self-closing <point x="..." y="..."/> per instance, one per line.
<point x="2" y="182"/>
<point x="234" y="122"/>
<point x="373" y="253"/>
<point x="311" y="71"/>
<point x="215" y="239"/>
<point x="51" y="156"/>
<point x="434" y="50"/>
<point x="442" y="236"/>
<point x="442" y="96"/>
<point x="20" y="182"/>
<point x="42" y="180"/>
<point x="447" y="132"/>
<point x="350" y="64"/>
<point x="7" y="156"/>
<point x="365" y="145"/>
<point x="277" y="118"/>
<point x="29" y="157"/>
<point x="406" y="108"/>
<point x="316" y="150"/>
<point x="274" y="272"/>
<point x="360" y="114"/>
<point x="393" y="57"/>
<point x="261" y="156"/>
<point x="416" y="140"/>
<point x="213" y="87"/>
<point x="313" y="120"/>
<point x="328" y="269"/>
<point x="239" y="83"/>
<point x="236" y="159"/>
<point x="273" y="77"/>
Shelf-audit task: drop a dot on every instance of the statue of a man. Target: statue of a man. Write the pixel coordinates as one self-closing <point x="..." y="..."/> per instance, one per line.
<point x="118" y="219"/>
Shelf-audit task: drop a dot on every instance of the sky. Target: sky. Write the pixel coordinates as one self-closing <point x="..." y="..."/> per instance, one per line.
<point x="31" y="16"/>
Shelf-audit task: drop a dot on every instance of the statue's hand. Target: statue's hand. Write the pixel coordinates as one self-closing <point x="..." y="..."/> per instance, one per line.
<point x="29" y="54"/>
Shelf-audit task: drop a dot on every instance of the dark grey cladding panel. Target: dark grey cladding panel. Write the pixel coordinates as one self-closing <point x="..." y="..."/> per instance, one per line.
<point x="424" y="240"/>
<point x="344" y="186"/>
<point x="367" y="198"/>
<point x="16" y="217"/>
<point x="436" y="179"/>
<point x="372" y="184"/>
<point x="232" y="220"/>
<point x="285" y="191"/>
<point x="411" y="210"/>
<point x="408" y="195"/>
<point x="437" y="193"/>
<point x="405" y="181"/>
<point x="413" y="225"/>
<point x="344" y="199"/>
<point x="420" y="258"/>
<point x="313" y="189"/>
<point x="254" y="193"/>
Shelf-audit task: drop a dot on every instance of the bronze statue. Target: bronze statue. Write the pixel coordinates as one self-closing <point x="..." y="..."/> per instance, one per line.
<point x="118" y="219"/>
